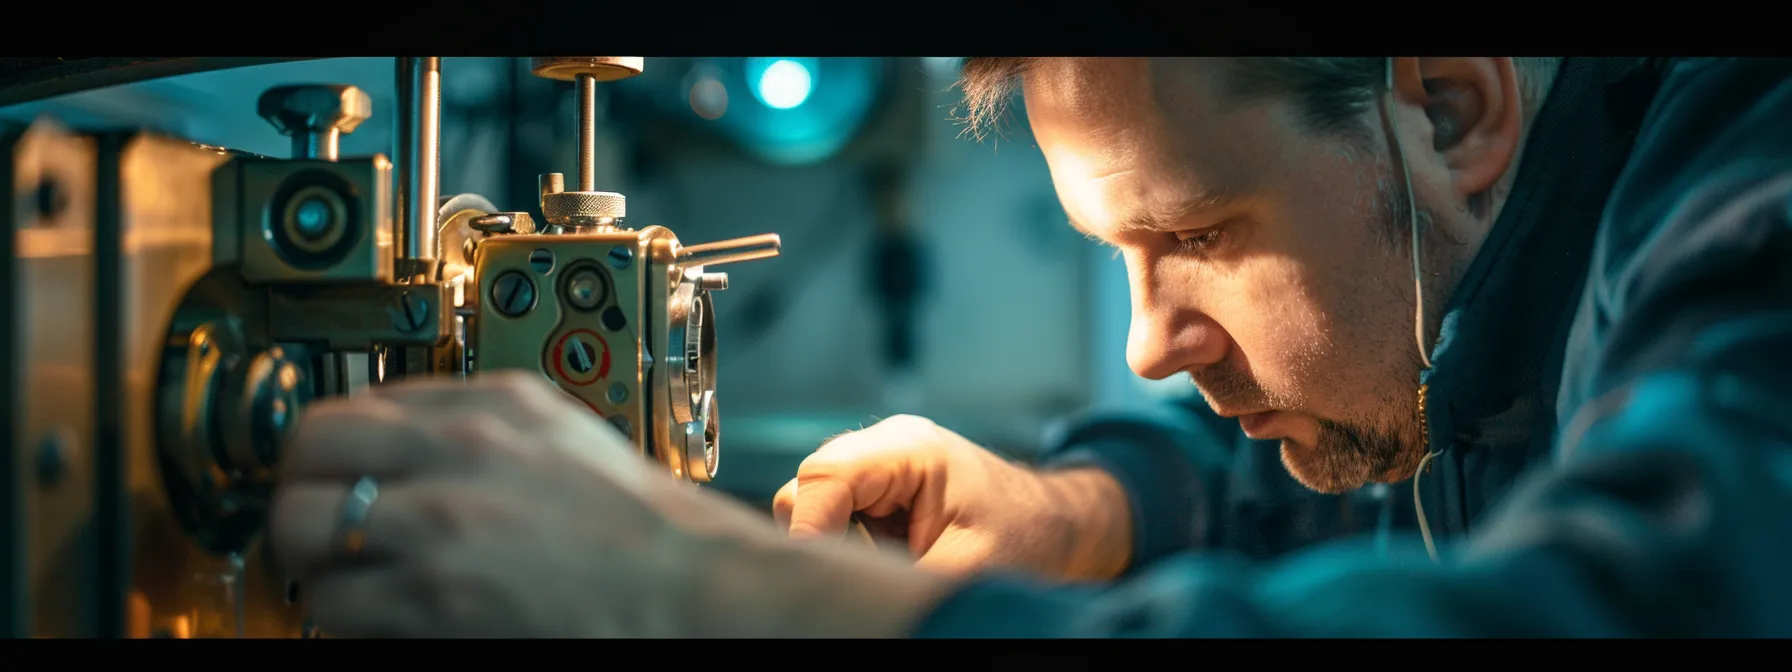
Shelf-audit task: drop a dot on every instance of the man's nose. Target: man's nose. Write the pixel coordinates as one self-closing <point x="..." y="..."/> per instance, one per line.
<point x="1169" y="335"/>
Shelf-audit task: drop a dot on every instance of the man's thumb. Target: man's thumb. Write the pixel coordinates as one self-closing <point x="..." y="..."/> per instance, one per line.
<point x="823" y="508"/>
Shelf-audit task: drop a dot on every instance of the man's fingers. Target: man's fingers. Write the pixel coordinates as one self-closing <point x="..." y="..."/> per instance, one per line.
<point x="517" y="396"/>
<point x="346" y="439"/>
<point x="306" y="526"/>
<point x="878" y="470"/>
<point x="822" y="509"/>
<point x="783" y="503"/>
<point x="368" y="601"/>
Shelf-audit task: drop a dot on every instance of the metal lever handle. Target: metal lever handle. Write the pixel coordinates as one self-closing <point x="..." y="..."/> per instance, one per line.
<point x="731" y="251"/>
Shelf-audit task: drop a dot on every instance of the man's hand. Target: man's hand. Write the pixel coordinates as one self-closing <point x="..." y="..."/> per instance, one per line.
<point x="506" y="509"/>
<point x="960" y="507"/>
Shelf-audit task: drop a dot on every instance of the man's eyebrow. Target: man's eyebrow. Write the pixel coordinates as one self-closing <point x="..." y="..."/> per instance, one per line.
<point x="1164" y="216"/>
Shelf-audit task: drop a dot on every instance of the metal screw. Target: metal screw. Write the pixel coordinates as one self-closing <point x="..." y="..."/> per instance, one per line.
<point x="52" y="458"/>
<point x="621" y="256"/>
<point x="714" y="282"/>
<point x="410" y="313"/>
<point x="585" y="289"/>
<point x="580" y="356"/>
<point x="513" y="294"/>
<point x="618" y="393"/>
<point x="622" y="425"/>
<point x="542" y="261"/>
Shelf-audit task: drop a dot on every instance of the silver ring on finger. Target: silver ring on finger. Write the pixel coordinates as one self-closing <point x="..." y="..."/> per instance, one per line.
<point x="351" y="536"/>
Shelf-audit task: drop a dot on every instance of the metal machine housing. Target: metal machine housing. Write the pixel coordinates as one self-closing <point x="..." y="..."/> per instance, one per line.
<point x="177" y="306"/>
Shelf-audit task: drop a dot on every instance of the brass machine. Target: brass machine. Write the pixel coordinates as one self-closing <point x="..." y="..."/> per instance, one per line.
<point x="179" y="305"/>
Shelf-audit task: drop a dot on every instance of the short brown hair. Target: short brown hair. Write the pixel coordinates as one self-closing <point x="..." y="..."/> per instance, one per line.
<point x="1332" y="93"/>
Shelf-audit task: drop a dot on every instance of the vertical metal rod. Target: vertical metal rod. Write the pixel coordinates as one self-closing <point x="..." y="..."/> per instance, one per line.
<point x="111" y="503"/>
<point x="323" y="144"/>
<point x="587" y="90"/>
<point x="419" y="149"/>
<point x="402" y="143"/>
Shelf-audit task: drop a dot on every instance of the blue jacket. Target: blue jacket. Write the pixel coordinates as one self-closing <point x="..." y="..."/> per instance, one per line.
<point x="1611" y="401"/>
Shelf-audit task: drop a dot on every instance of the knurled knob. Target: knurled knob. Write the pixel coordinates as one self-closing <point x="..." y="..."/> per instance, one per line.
<point x="583" y="208"/>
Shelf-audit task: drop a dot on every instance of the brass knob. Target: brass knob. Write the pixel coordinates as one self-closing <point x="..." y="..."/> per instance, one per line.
<point x="315" y="115"/>
<point x="601" y="68"/>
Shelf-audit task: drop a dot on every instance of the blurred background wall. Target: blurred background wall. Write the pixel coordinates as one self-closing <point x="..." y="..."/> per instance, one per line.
<point x="1014" y="320"/>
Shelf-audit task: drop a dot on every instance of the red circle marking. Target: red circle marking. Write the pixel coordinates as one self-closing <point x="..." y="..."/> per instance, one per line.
<point x="603" y="366"/>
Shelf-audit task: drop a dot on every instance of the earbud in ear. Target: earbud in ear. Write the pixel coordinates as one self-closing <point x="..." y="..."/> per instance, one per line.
<point x="1446" y="131"/>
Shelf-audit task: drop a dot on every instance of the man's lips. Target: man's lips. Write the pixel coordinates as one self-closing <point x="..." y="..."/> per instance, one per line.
<point x="1259" y="426"/>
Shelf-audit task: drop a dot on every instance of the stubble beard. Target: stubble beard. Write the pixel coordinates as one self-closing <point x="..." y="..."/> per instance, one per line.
<point x="1389" y="447"/>
<point x="1385" y="445"/>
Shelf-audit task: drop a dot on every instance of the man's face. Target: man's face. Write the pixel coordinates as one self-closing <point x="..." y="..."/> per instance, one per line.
<point x="1266" y="261"/>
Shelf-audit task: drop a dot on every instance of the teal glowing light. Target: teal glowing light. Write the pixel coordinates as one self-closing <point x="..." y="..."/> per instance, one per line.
<point x="783" y="85"/>
<point x="790" y="110"/>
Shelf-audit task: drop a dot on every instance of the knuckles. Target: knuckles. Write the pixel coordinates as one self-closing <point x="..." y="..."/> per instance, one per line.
<point x="322" y="423"/>
<point x="524" y="388"/>
<point x="903" y="429"/>
<point x="443" y="515"/>
<point x="907" y="425"/>
<point x="480" y="436"/>
<point x="900" y="434"/>
<point x="515" y="381"/>
<point x="524" y="395"/>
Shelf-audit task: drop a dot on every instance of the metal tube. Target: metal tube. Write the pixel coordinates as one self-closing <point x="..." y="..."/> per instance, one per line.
<point x="587" y="112"/>
<point x="731" y="251"/>
<point x="401" y="152"/>
<point x="419" y="149"/>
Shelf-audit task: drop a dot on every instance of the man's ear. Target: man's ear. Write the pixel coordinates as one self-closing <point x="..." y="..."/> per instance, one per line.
<point x="1474" y="109"/>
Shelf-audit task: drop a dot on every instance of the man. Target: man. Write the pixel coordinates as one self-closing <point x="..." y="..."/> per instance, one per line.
<point x="1589" y="413"/>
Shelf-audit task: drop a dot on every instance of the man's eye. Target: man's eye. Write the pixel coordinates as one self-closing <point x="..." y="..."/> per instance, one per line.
<point x="1205" y="240"/>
